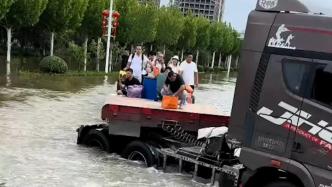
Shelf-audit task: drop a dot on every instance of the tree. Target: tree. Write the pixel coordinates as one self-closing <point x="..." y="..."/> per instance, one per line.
<point x="203" y="35"/>
<point x="61" y="15"/>
<point x="169" y="27"/>
<point x="236" y="47"/>
<point x="124" y="8"/>
<point x="76" y="54"/>
<point x="91" y="25"/>
<point x="142" y="23"/>
<point x="227" y="43"/>
<point x="216" y="39"/>
<point x="97" y="51"/>
<point x="23" y="13"/>
<point x="4" y="7"/>
<point x="188" y="35"/>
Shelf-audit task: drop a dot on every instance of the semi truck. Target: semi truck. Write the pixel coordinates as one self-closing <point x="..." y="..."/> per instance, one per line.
<point x="279" y="133"/>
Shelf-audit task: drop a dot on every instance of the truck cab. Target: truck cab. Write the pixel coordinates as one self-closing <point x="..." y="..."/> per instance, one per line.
<point x="282" y="109"/>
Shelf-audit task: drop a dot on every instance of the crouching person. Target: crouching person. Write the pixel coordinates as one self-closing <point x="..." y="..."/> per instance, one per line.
<point x="174" y="86"/>
<point x="129" y="85"/>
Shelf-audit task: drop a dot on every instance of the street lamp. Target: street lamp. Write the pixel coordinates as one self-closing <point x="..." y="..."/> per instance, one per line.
<point x="108" y="37"/>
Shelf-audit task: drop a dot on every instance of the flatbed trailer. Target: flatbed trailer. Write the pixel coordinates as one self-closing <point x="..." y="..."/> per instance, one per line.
<point x="147" y="113"/>
<point x="144" y="131"/>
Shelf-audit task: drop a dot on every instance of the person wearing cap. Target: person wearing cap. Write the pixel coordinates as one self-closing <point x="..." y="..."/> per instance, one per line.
<point x="174" y="64"/>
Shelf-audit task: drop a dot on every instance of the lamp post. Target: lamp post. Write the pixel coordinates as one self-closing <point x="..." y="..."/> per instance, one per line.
<point x="108" y="37"/>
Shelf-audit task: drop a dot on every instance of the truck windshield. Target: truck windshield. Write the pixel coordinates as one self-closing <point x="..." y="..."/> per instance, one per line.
<point x="319" y="6"/>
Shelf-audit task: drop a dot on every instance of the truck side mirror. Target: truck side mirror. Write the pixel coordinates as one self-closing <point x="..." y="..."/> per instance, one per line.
<point x="328" y="68"/>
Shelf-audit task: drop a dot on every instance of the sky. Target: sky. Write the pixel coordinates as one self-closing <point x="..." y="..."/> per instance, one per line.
<point x="237" y="11"/>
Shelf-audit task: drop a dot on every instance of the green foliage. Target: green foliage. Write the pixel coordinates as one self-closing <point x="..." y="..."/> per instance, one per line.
<point x="57" y="15"/>
<point x="24" y="13"/>
<point x="53" y="64"/>
<point x="4" y="7"/>
<point x="188" y="35"/>
<point x="228" y="41"/>
<point x="125" y="8"/>
<point x="169" y="27"/>
<point x="142" y="23"/>
<point x="203" y="33"/>
<point x="91" y="24"/>
<point x="76" y="53"/>
<point x="93" y="49"/>
<point x="63" y="14"/>
<point x="74" y="20"/>
<point x="79" y="7"/>
<point x="237" y="45"/>
<point x="216" y="36"/>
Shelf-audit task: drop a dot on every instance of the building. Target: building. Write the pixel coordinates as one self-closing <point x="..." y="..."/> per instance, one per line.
<point x="211" y="9"/>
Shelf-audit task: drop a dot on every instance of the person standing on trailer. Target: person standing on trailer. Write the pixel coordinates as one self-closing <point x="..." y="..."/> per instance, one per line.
<point x="174" y="64"/>
<point x="189" y="72"/>
<point x="124" y="59"/>
<point x="138" y="62"/>
<point x="160" y="62"/>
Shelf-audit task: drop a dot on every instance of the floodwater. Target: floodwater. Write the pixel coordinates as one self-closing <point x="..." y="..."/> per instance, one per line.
<point x="38" y="119"/>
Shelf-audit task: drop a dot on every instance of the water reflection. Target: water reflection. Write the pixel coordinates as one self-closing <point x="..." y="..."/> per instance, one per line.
<point x="8" y="81"/>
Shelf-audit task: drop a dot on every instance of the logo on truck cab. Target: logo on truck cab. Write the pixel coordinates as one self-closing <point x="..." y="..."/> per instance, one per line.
<point x="281" y="40"/>
<point x="294" y="120"/>
<point x="268" y="4"/>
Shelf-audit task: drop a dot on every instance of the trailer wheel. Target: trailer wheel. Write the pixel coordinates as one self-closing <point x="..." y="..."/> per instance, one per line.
<point x="96" y="138"/>
<point x="280" y="184"/>
<point x="139" y="151"/>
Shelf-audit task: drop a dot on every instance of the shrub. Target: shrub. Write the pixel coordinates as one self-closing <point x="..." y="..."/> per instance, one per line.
<point x="53" y="64"/>
<point x="201" y="68"/>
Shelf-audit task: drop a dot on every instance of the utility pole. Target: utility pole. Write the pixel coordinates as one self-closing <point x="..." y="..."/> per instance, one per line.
<point x="109" y="37"/>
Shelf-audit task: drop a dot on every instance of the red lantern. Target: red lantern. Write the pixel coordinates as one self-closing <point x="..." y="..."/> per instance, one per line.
<point x="105" y="16"/>
<point x="116" y="15"/>
<point x="106" y="13"/>
<point x="115" y="23"/>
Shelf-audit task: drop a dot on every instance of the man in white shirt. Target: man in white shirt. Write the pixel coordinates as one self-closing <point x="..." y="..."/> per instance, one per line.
<point x="189" y="72"/>
<point x="138" y="63"/>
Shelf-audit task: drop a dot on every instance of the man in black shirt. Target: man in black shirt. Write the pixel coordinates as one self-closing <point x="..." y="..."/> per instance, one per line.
<point x="130" y="80"/>
<point x="174" y="86"/>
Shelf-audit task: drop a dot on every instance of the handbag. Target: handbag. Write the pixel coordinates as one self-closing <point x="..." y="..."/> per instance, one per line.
<point x="135" y="91"/>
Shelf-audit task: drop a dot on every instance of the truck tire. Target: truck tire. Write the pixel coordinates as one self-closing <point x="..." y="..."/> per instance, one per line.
<point x="139" y="151"/>
<point x="97" y="138"/>
<point x="280" y="184"/>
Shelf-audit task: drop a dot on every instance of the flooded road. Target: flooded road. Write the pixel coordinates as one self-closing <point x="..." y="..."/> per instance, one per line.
<point x="38" y="119"/>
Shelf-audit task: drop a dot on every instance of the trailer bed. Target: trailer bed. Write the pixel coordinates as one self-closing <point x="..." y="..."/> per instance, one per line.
<point x="120" y="109"/>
